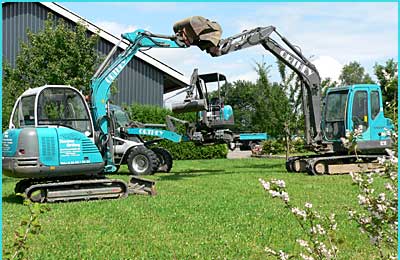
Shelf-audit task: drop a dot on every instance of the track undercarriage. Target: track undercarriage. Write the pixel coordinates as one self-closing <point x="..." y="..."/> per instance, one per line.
<point x="333" y="164"/>
<point x="82" y="188"/>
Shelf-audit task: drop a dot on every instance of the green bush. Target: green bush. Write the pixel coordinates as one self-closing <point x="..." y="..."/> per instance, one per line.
<point x="190" y="151"/>
<point x="298" y="145"/>
<point x="179" y="151"/>
<point x="278" y="146"/>
<point x="273" y="146"/>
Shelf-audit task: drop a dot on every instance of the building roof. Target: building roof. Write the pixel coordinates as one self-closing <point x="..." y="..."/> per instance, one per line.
<point x="174" y="79"/>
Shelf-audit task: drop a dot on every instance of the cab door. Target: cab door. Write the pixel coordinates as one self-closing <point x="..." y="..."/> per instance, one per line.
<point x="359" y="112"/>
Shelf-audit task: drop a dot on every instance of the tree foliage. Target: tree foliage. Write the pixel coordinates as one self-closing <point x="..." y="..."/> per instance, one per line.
<point x="354" y="73"/>
<point x="387" y="75"/>
<point x="258" y="107"/>
<point x="58" y="54"/>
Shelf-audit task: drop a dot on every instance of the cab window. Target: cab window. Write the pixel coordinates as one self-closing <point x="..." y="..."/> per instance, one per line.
<point x="63" y="107"/>
<point x="16" y="117"/>
<point x="360" y="110"/>
<point x="27" y="113"/>
<point x="375" y="108"/>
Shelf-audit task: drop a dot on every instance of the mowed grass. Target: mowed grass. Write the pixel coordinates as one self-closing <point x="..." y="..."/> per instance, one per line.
<point x="205" y="209"/>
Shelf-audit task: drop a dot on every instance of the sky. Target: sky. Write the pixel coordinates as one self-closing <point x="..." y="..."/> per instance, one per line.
<point x="330" y="34"/>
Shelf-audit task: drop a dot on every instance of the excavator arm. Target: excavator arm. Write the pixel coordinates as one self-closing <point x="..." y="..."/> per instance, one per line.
<point x="294" y="59"/>
<point x="109" y="71"/>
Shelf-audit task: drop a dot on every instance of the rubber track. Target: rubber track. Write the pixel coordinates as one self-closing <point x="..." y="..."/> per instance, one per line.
<point x="332" y="160"/>
<point x="86" y="189"/>
<point x="312" y="160"/>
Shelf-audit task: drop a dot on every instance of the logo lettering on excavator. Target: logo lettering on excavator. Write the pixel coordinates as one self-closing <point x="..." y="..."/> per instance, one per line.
<point x="296" y="63"/>
<point x="115" y="72"/>
<point x="151" y="132"/>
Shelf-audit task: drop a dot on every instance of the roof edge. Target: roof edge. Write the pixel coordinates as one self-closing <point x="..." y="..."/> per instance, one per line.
<point x="114" y="40"/>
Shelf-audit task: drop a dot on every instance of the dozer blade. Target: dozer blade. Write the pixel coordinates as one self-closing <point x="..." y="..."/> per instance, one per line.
<point x="141" y="186"/>
<point x="199" y="31"/>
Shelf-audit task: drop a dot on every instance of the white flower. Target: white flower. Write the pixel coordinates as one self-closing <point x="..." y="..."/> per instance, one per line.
<point x="280" y="183"/>
<point x="362" y="199"/>
<point x="381" y="197"/>
<point x="344" y="141"/>
<point x="320" y="229"/>
<point x="334" y="226"/>
<point x="299" y="212"/>
<point x="351" y="214"/>
<point x="308" y="205"/>
<point x="283" y="255"/>
<point x="285" y="196"/>
<point x="381" y="160"/>
<point x="270" y="251"/>
<point x="365" y="220"/>
<point x="388" y="186"/>
<point x="393" y="160"/>
<point x="265" y="184"/>
<point x="356" y="177"/>
<point x="302" y="243"/>
<point x="274" y="193"/>
<point x="381" y="208"/>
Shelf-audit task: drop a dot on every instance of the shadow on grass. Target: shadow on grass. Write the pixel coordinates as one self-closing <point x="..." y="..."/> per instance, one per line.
<point x="262" y="166"/>
<point x="178" y="175"/>
<point x="14" y="199"/>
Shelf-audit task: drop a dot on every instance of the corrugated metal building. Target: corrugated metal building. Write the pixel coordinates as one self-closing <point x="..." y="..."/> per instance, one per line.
<point x="144" y="80"/>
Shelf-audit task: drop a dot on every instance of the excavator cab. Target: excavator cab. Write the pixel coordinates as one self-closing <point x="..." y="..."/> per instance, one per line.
<point x="50" y="132"/>
<point x="356" y="107"/>
<point x="218" y="115"/>
<point x="214" y="118"/>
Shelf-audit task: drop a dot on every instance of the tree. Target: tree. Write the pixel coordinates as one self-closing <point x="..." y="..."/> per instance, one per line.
<point x="240" y="95"/>
<point x="55" y="55"/>
<point x="388" y="80"/>
<point x="326" y="84"/>
<point x="354" y="73"/>
<point x="272" y="104"/>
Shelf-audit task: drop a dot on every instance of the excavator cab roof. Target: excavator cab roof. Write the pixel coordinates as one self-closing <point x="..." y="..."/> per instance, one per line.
<point x="212" y="77"/>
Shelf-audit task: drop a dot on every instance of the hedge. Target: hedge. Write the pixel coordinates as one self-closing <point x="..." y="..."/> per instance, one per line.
<point x="179" y="151"/>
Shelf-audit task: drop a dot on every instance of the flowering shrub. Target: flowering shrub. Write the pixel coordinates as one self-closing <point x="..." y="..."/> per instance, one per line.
<point x="379" y="217"/>
<point x="319" y="242"/>
<point x="350" y="139"/>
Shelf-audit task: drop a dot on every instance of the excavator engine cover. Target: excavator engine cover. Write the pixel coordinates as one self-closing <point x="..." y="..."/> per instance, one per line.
<point x="189" y="106"/>
<point x="199" y="31"/>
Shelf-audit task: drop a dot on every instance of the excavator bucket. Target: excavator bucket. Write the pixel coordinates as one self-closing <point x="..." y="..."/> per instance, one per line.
<point x="199" y="31"/>
<point x="141" y="186"/>
<point x="189" y="106"/>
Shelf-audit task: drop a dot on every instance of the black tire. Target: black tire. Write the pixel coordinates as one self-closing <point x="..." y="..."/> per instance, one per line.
<point x="165" y="160"/>
<point x="253" y="145"/>
<point x="142" y="161"/>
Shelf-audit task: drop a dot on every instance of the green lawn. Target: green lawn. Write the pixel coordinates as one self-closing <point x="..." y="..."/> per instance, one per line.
<point x="204" y="210"/>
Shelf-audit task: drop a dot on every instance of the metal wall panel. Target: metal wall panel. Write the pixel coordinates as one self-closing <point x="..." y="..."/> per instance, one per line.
<point x="138" y="83"/>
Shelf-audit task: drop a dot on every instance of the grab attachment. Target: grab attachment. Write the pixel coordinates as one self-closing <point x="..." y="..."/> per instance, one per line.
<point x="199" y="31"/>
